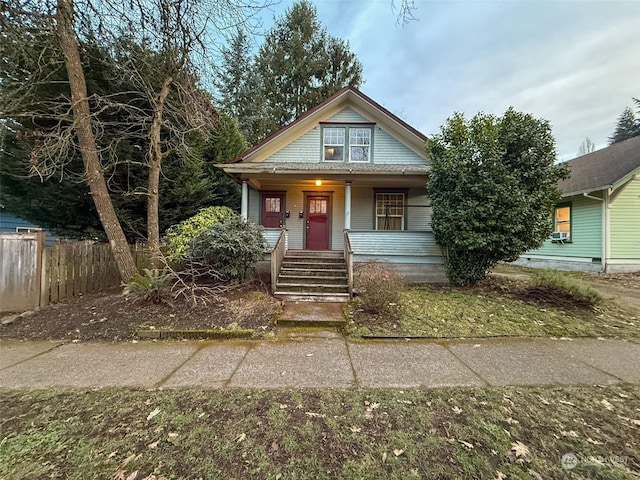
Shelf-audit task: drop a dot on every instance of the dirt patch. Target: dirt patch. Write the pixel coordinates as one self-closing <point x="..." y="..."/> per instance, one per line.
<point x="111" y="316"/>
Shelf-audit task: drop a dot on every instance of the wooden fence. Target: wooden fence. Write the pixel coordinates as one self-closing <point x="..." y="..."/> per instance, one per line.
<point x="20" y="270"/>
<point x="65" y="270"/>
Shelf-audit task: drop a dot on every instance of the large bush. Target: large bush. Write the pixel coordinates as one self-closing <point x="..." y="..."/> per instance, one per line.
<point x="232" y="248"/>
<point x="178" y="237"/>
<point x="493" y="186"/>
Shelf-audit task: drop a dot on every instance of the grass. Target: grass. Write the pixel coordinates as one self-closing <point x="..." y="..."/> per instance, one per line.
<point x="502" y="308"/>
<point x="514" y="433"/>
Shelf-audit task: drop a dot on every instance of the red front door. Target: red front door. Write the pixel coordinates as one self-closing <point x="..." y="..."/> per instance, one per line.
<point x="272" y="210"/>
<point x="317" y="223"/>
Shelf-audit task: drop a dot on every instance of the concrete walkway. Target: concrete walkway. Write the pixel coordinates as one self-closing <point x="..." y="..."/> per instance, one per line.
<point x="320" y="360"/>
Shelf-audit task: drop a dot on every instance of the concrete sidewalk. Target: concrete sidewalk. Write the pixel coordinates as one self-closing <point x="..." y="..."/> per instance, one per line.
<point x="320" y="360"/>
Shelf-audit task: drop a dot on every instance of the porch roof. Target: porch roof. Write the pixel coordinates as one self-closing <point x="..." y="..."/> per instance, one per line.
<point x="323" y="169"/>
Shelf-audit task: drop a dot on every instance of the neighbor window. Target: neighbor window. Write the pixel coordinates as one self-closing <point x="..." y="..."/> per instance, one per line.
<point x="359" y="144"/>
<point x="389" y="211"/>
<point x="334" y="144"/>
<point x="562" y="223"/>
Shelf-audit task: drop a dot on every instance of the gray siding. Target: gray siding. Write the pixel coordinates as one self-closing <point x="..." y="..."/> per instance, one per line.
<point x="388" y="150"/>
<point x="395" y="247"/>
<point x="348" y="115"/>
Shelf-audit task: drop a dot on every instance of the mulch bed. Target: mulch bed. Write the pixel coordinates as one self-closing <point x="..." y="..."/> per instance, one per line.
<point x="111" y="316"/>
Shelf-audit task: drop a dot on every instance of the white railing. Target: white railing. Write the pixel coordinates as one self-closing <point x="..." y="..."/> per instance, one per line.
<point x="348" y="258"/>
<point x="277" y="256"/>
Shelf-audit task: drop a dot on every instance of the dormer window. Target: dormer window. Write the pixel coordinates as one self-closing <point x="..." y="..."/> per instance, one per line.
<point x="349" y="143"/>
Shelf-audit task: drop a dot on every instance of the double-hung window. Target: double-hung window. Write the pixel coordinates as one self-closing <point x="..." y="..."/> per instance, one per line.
<point x="333" y="139"/>
<point x="390" y="211"/>
<point x="359" y="144"/>
<point x="562" y="223"/>
<point x="349" y="143"/>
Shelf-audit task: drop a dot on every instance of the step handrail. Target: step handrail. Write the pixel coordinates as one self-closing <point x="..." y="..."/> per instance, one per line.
<point x="277" y="257"/>
<point x="348" y="259"/>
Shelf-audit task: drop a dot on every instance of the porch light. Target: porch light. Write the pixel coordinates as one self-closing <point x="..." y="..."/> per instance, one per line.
<point x="318" y="183"/>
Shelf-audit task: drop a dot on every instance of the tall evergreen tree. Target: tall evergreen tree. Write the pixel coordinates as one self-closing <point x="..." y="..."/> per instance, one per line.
<point x="301" y="65"/>
<point x="628" y="125"/>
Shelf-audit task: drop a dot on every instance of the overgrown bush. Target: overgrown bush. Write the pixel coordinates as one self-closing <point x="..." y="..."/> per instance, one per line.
<point x="378" y="287"/>
<point x="149" y="286"/>
<point x="178" y="237"/>
<point x="560" y="284"/>
<point x="232" y="248"/>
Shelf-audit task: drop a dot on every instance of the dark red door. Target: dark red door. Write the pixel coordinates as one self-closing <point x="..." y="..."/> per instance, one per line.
<point x="317" y="223"/>
<point x="272" y="210"/>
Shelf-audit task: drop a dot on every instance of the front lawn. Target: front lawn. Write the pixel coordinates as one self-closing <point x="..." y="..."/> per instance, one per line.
<point x="496" y="307"/>
<point x="490" y="433"/>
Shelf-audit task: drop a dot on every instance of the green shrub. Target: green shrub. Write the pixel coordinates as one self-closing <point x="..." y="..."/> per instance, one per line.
<point x="179" y="236"/>
<point x="378" y="287"/>
<point x="567" y="286"/>
<point x="150" y="286"/>
<point x="232" y="248"/>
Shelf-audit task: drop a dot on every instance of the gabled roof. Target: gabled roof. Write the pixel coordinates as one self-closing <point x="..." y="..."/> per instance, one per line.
<point x="602" y="169"/>
<point x="348" y="96"/>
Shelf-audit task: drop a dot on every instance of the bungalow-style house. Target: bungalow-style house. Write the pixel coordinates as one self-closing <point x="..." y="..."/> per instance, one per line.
<point x="597" y="223"/>
<point x="343" y="183"/>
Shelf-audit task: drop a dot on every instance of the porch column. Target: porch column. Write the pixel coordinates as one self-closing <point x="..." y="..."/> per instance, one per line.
<point x="244" y="203"/>
<point x="347" y="205"/>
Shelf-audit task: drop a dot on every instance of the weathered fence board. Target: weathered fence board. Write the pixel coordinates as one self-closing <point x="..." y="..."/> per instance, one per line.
<point x="32" y="276"/>
<point x="20" y="272"/>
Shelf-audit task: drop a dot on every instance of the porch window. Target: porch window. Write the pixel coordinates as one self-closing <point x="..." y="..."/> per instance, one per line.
<point x="359" y="144"/>
<point x="562" y="223"/>
<point x="333" y="140"/>
<point x="389" y="211"/>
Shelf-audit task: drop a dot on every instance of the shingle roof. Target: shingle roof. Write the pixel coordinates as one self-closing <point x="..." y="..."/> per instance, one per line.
<point x="603" y="168"/>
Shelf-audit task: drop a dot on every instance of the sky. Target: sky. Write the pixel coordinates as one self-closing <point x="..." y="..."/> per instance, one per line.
<point x="575" y="63"/>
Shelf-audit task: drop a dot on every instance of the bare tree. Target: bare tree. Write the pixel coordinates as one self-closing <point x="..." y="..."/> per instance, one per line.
<point x="587" y="146"/>
<point x="175" y="37"/>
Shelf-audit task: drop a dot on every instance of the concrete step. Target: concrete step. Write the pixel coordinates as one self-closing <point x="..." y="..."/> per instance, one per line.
<point x="288" y="296"/>
<point x="302" y="272"/>
<point x="310" y="289"/>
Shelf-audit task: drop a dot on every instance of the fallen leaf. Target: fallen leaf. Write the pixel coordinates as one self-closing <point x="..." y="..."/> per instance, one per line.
<point x="519" y="453"/>
<point x="564" y="402"/>
<point x="468" y="445"/>
<point x="457" y="410"/>
<point x="511" y="421"/>
<point x="500" y="476"/>
<point x="384" y="457"/>
<point x="153" y="414"/>
<point x="133" y="475"/>
<point x="274" y="446"/>
<point x="309" y="355"/>
<point x="594" y="442"/>
<point x="636" y="422"/>
<point x="355" y="429"/>
<point x="172" y="435"/>
<point x="570" y="433"/>
<point x="607" y="405"/>
<point x="398" y="451"/>
<point x="283" y="406"/>
<point x="315" y="415"/>
<point x="241" y="437"/>
<point x="154" y="444"/>
<point x="406" y="402"/>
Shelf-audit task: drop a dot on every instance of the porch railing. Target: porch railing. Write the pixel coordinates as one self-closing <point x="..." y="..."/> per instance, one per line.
<point x="277" y="256"/>
<point x="348" y="258"/>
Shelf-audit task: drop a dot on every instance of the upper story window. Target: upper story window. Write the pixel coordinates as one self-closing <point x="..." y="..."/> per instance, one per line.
<point x="348" y="143"/>
<point x="359" y="144"/>
<point x="334" y="144"/>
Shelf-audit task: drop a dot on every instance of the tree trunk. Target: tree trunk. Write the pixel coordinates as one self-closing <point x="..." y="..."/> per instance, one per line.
<point x="86" y="141"/>
<point x="155" y="164"/>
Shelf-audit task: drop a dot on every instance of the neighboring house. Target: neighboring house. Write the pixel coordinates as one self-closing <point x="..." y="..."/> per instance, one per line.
<point x="347" y="176"/>
<point x="597" y="223"/>
<point x="10" y="223"/>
